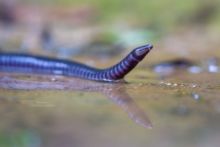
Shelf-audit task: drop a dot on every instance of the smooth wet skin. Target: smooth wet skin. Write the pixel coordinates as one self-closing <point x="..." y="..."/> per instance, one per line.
<point x="44" y="65"/>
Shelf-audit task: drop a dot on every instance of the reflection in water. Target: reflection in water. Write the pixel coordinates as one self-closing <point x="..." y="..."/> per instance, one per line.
<point x="116" y="92"/>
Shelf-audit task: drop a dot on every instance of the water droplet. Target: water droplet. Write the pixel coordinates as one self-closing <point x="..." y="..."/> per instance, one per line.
<point x="212" y="65"/>
<point x="213" y="68"/>
<point x="194" y="69"/>
<point x="195" y="96"/>
<point x="53" y="79"/>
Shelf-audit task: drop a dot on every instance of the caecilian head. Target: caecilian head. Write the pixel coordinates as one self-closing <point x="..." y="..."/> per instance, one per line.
<point x="142" y="51"/>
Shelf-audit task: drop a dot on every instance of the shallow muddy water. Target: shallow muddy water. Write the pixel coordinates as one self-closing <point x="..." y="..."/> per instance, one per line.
<point x="181" y="110"/>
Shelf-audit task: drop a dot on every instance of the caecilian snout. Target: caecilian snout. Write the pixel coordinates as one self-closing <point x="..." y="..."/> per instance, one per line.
<point x="143" y="49"/>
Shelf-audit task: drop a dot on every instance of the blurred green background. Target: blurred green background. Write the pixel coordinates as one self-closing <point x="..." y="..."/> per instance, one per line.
<point x="103" y="25"/>
<point x="158" y="15"/>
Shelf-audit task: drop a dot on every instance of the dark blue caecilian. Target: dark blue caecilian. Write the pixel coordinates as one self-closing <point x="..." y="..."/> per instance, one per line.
<point x="43" y="65"/>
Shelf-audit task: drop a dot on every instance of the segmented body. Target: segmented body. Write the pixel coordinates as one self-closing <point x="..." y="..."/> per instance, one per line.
<point x="44" y="65"/>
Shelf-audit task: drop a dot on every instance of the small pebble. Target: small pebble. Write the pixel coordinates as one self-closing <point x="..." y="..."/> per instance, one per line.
<point x="194" y="85"/>
<point x="168" y="84"/>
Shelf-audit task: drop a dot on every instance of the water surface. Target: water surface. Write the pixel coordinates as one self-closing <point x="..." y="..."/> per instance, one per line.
<point x="182" y="110"/>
